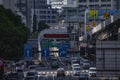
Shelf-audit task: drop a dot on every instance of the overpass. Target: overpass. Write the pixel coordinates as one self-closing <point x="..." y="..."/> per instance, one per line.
<point x="105" y="37"/>
<point x="48" y="34"/>
<point x="106" y="29"/>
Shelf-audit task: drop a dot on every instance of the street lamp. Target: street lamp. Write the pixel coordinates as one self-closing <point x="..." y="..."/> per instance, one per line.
<point x="85" y="21"/>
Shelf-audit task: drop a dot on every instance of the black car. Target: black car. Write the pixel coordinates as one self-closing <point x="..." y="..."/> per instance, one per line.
<point x="13" y="76"/>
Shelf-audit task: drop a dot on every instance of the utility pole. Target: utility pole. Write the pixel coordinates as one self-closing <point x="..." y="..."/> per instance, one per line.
<point x="34" y="19"/>
<point x="85" y="22"/>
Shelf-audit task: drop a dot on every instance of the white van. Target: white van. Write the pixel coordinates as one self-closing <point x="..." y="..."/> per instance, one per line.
<point x="92" y="72"/>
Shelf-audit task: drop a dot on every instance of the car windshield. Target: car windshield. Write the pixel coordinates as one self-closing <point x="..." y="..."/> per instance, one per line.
<point x="32" y="67"/>
<point x="76" y="65"/>
<point x="29" y="78"/>
<point x="19" y="70"/>
<point x="31" y="74"/>
<point x="74" y="61"/>
<point x="92" y="69"/>
<point x="77" y="68"/>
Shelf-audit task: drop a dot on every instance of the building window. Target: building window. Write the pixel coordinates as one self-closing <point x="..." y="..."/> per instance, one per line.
<point x="105" y="0"/>
<point x="105" y="5"/>
<point x="23" y="1"/>
<point x="23" y="9"/>
<point x="94" y="6"/>
<point x="82" y="0"/>
<point x="53" y="21"/>
<point x="48" y="17"/>
<point x="93" y="0"/>
<point x="48" y="21"/>
<point x="53" y="17"/>
<point x="48" y="12"/>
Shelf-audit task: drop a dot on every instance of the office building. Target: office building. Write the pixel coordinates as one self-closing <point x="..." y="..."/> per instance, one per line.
<point x="40" y="8"/>
<point x="9" y="4"/>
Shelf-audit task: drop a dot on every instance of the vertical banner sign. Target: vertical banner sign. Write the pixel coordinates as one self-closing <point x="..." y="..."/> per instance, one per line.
<point x="27" y="50"/>
<point x="45" y="52"/>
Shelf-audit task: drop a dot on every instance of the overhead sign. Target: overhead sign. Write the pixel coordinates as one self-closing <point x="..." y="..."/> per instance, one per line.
<point x="45" y="52"/>
<point x="63" y="49"/>
<point x="45" y="44"/>
<point x="27" y="50"/>
<point x="62" y="52"/>
<point x="56" y="35"/>
<point x="63" y="45"/>
<point x="101" y="13"/>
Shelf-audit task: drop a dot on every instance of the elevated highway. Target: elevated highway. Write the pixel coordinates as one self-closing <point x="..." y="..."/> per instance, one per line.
<point x="105" y="37"/>
<point x="107" y="29"/>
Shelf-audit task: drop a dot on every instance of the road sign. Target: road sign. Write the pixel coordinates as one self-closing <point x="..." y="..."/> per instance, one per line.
<point x="27" y="50"/>
<point x="45" y="52"/>
<point x="63" y="45"/>
<point x="62" y="52"/>
<point x="63" y="49"/>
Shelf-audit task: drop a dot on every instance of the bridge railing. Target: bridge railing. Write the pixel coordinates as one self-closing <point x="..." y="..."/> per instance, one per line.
<point x="108" y="21"/>
<point x="103" y="24"/>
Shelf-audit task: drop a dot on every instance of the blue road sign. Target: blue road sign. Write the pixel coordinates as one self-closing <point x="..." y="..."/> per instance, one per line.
<point x="63" y="45"/>
<point x="66" y="45"/>
<point x="63" y="49"/>
<point x="45" y="52"/>
<point x="62" y="52"/>
<point x="27" y="50"/>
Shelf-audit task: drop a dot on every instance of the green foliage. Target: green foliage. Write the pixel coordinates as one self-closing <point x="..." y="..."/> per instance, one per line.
<point x="42" y="26"/>
<point x="13" y="34"/>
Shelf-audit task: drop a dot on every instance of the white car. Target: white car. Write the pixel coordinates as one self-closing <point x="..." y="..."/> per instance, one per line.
<point x="86" y="64"/>
<point x="32" y="67"/>
<point x="74" y="62"/>
<point x="92" y="72"/>
<point x="76" y="71"/>
<point x="75" y="65"/>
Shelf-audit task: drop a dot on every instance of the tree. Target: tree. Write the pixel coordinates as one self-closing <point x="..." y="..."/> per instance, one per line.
<point x="13" y="34"/>
<point x="42" y="25"/>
